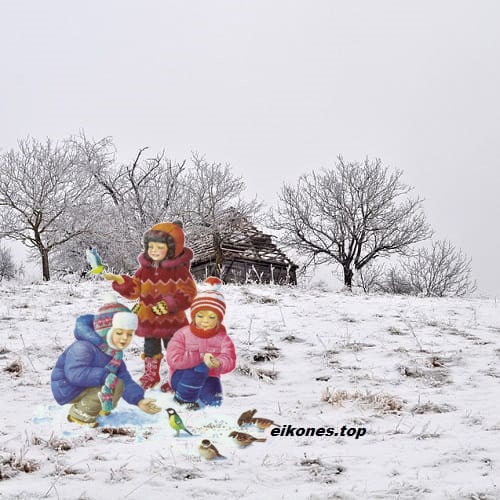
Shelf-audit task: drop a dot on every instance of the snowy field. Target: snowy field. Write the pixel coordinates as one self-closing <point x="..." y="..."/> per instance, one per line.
<point x="421" y="375"/>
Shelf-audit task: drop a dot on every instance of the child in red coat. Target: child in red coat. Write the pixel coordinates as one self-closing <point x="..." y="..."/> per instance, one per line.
<point x="201" y="352"/>
<point x="165" y="289"/>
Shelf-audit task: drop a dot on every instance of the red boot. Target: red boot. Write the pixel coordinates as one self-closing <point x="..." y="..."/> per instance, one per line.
<point x="166" y="387"/>
<point x="151" y="376"/>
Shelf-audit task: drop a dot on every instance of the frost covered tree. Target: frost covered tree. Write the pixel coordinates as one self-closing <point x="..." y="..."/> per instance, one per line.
<point x="151" y="190"/>
<point x="45" y="199"/>
<point x="133" y="196"/>
<point x="394" y="281"/>
<point x="8" y="269"/>
<point x="441" y="270"/>
<point x="98" y="159"/>
<point x="215" y="206"/>
<point x="369" y="277"/>
<point x="438" y="270"/>
<point x="350" y="214"/>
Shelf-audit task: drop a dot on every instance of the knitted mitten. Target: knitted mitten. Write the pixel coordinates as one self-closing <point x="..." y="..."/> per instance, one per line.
<point x="160" y="308"/>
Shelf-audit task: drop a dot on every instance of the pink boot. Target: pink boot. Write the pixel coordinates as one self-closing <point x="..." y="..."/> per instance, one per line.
<point x="151" y="376"/>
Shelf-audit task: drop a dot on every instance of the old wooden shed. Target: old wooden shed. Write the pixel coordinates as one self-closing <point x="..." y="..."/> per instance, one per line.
<point x="246" y="255"/>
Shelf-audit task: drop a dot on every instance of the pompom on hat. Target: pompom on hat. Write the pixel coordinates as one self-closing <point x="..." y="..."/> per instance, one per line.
<point x="112" y="314"/>
<point x="210" y="298"/>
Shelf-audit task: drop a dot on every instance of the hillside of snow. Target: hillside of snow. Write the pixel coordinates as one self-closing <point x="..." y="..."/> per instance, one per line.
<point x="420" y="375"/>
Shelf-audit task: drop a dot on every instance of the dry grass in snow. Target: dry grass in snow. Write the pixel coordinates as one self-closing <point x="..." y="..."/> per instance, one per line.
<point x="420" y="375"/>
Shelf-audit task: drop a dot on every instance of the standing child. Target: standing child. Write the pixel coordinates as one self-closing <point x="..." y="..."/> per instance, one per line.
<point x="202" y="351"/>
<point x="165" y="289"/>
<point x="90" y="373"/>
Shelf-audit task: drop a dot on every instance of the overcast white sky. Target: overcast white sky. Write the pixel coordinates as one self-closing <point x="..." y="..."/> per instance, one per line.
<point x="276" y="88"/>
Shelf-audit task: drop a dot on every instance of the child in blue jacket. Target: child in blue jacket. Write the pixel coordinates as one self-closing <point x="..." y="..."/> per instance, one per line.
<point x="91" y="373"/>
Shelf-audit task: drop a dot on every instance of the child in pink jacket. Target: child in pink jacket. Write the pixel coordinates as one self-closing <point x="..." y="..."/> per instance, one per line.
<point x="199" y="353"/>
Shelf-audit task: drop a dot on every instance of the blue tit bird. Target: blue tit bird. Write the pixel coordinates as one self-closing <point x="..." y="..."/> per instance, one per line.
<point x="176" y="422"/>
<point x="95" y="261"/>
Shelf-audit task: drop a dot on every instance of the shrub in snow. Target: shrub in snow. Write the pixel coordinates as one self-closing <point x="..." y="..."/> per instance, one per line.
<point x="8" y="268"/>
<point x="11" y="464"/>
<point x="384" y="402"/>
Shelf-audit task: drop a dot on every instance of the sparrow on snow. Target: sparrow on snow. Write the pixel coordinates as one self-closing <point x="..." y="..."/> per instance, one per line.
<point x="208" y="451"/>
<point x="243" y="439"/>
<point x="246" y="416"/>
<point x="263" y="423"/>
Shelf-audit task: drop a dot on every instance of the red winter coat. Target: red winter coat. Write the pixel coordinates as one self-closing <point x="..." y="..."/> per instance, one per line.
<point x="171" y="282"/>
<point x="186" y="350"/>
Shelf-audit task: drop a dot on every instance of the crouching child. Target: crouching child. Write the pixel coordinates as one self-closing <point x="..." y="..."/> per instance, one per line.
<point x="91" y="374"/>
<point x="202" y="351"/>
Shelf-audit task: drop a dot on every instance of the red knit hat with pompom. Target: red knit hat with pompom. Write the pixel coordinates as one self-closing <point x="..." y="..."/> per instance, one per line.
<point x="210" y="298"/>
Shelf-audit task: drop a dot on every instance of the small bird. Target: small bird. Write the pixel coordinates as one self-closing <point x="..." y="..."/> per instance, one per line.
<point x="95" y="261"/>
<point x="243" y="439"/>
<point x="176" y="422"/>
<point x="208" y="451"/>
<point x="262" y="423"/>
<point x="246" y="416"/>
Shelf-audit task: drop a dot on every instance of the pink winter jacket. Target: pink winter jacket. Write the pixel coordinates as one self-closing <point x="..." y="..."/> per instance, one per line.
<point x="186" y="350"/>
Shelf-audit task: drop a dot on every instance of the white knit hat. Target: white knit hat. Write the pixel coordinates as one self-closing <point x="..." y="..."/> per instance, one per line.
<point x="113" y="315"/>
<point x="125" y="320"/>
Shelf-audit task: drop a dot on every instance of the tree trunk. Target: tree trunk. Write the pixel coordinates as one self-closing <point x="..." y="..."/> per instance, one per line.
<point x="219" y="256"/>
<point x="45" y="264"/>
<point x="348" y="274"/>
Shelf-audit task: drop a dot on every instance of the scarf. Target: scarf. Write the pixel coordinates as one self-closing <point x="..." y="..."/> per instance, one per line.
<point x="107" y="390"/>
<point x="206" y="334"/>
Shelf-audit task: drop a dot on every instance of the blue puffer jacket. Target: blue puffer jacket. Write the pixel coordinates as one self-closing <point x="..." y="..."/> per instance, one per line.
<point x="82" y="364"/>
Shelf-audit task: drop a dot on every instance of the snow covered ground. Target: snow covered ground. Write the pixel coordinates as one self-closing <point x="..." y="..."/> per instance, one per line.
<point x="421" y="375"/>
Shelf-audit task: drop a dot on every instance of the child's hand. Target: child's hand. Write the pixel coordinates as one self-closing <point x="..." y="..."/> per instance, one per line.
<point x="147" y="405"/>
<point x="113" y="277"/>
<point x="211" y="361"/>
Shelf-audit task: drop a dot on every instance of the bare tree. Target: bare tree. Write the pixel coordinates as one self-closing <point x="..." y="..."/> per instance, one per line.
<point x="215" y="204"/>
<point x="97" y="158"/>
<point x="441" y="270"/>
<point x="45" y="199"/>
<point x="349" y="214"/>
<point x="369" y="277"/>
<point x="152" y="189"/>
<point x="145" y="188"/>
<point x="134" y="195"/>
<point x="394" y="281"/>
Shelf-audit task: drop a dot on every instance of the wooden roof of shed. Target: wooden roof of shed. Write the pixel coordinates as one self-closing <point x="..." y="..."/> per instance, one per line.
<point x="245" y="243"/>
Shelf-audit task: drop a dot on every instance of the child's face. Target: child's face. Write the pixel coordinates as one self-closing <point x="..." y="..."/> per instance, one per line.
<point x="157" y="251"/>
<point x="205" y="319"/>
<point x="121" y="338"/>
